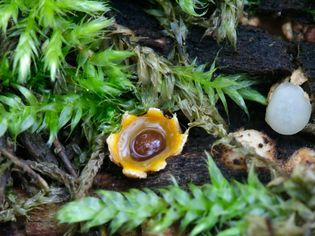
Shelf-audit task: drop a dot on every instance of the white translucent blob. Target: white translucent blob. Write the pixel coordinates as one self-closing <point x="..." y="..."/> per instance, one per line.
<point x="288" y="111"/>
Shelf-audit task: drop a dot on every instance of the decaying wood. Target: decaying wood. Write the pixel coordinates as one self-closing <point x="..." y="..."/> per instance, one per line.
<point x="256" y="52"/>
<point x="111" y="177"/>
<point x="244" y="144"/>
<point x="191" y="167"/>
<point x="40" y="209"/>
<point x="37" y="148"/>
<point x="180" y="167"/>
<point x="283" y="5"/>
<point x="131" y="14"/>
<point x="42" y="222"/>
<point x="306" y="58"/>
<point x="304" y="156"/>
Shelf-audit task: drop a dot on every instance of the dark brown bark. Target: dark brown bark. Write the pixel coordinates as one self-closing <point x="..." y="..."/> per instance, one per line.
<point x="187" y="168"/>
<point x="191" y="167"/>
<point x="306" y="57"/>
<point x="132" y="14"/>
<point x="283" y="5"/>
<point x="256" y="52"/>
<point x="42" y="222"/>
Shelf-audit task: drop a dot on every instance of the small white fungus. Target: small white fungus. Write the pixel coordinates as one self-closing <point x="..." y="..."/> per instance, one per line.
<point x="289" y="110"/>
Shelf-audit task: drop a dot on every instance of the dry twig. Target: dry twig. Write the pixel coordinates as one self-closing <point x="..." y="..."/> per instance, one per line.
<point x="61" y="152"/>
<point x="25" y="168"/>
<point x="52" y="171"/>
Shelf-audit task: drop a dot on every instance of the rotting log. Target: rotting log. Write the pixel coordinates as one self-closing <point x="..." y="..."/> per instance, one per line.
<point x="42" y="222"/>
<point x="286" y="144"/>
<point x="263" y="54"/>
<point x="306" y="58"/>
<point x="186" y="168"/>
<point x="283" y="5"/>
<point x="132" y="14"/>
<point x="180" y="167"/>
<point x="191" y="167"/>
<point x="256" y="52"/>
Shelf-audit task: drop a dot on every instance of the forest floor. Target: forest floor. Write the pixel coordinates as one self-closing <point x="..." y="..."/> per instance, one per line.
<point x="261" y="51"/>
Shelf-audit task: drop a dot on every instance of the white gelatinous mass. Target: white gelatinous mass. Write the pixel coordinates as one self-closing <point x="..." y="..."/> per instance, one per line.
<point x="289" y="110"/>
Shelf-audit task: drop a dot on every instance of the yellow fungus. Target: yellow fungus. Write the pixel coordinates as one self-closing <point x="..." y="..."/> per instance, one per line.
<point x="145" y="142"/>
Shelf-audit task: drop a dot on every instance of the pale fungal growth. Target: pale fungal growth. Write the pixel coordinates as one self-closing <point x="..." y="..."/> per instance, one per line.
<point x="298" y="77"/>
<point x="289" y="109"/>
<point x="231" y="159"/>
<point x="287" y="30"/>
<point x="263" y="145"/>
<point x="259" y="142"/>
<point x="145" y="142"/>
<point x="303" y="156"/>
<point x="265" y="148"/>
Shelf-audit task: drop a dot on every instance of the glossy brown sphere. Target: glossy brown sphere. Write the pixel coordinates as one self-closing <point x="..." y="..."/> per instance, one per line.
<point x="147" y="144"/>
